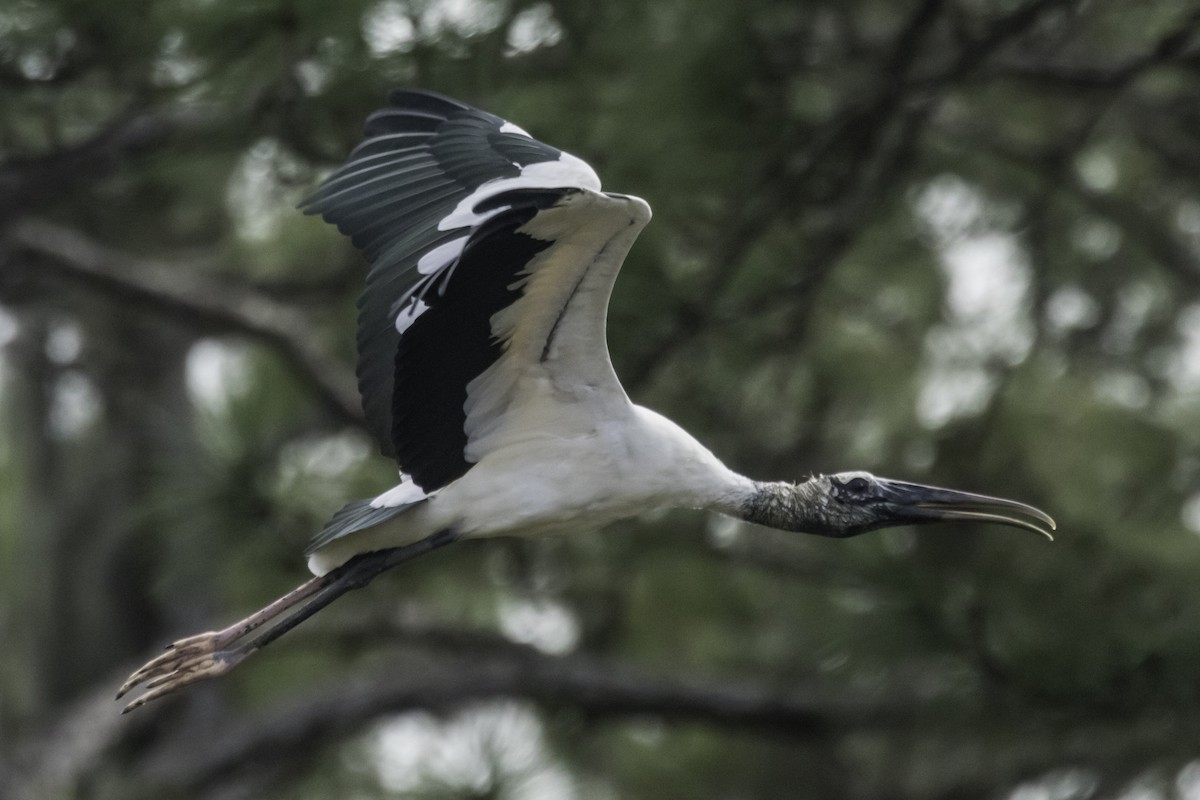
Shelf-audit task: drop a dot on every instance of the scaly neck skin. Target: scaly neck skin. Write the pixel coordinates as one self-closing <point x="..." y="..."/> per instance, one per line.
<point x="787" y="506"/>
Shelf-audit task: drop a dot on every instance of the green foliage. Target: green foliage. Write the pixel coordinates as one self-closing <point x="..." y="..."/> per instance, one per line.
<point x="953" y="241"/>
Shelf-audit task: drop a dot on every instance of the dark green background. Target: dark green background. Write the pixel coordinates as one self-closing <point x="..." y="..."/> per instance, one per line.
<point x="952" y="241"/>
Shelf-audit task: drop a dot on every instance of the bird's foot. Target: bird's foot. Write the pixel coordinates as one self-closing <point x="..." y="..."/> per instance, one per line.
<point x="187" y="661"/>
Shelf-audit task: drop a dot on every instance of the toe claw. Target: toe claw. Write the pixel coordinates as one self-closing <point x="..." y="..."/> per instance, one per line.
<point x="194" y="655"/>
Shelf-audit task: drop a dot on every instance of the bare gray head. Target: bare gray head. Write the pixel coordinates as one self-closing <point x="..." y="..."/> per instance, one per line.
<point x="849" y="503"/>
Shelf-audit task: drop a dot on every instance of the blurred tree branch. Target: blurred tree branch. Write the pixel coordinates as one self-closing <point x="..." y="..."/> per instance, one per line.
<point x="1174" y="47"/>
<point x="191" y="298"/>
<point x="489" y="667"/>
<point x="595" y="688"/>
<point x="1143" y="226"/>
<point x="28" y="183"/>
<point x="837" y="175"/>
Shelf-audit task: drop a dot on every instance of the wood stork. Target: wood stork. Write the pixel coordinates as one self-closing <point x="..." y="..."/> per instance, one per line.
<point x="484" y="371"/>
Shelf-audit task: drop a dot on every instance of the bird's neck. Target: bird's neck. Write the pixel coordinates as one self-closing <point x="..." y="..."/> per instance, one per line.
<point x="785" y="506"/>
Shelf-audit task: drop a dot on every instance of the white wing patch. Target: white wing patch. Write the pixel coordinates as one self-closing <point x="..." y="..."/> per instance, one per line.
<point x="508" y="127"/>
<point x="404" y="493"/>
<point x="414" y="308"/>
<point x="441" y="255"/>
<point x="567" y="172"/>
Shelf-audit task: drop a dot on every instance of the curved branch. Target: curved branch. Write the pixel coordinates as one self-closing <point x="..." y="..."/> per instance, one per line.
<point x="469" y="666"/>
<point x="188" y="297"/>
<point x="577" y="682"/>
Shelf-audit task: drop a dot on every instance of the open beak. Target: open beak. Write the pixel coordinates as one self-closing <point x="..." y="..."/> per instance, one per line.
<point x="913" y="502"/>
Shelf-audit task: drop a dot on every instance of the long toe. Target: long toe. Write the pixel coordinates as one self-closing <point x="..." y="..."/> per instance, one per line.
<point x="177" y="654"/>
<point x="188" y="671"/>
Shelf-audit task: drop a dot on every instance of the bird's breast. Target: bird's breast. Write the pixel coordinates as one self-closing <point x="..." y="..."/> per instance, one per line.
<point x="582" y="479"/>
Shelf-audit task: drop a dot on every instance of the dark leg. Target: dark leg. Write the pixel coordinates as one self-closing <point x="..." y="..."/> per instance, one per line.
<point x="209" y="655"/>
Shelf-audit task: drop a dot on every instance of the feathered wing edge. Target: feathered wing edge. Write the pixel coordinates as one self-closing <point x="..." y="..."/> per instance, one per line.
<point x="356" y="515"/>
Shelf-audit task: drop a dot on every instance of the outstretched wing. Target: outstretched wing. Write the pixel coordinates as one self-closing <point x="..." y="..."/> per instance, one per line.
<point x="492" y="258"/>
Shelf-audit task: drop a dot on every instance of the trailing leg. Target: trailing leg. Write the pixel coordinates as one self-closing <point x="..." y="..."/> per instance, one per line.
<point x="211" y="654"/>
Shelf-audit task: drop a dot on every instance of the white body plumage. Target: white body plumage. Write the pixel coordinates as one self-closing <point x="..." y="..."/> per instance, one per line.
<point x="554" y="481"/>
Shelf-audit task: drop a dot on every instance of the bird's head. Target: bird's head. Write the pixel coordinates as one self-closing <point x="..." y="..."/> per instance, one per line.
<point x="849" y="503"/>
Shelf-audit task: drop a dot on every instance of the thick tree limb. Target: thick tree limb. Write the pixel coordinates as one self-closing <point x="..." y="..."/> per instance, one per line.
<point x="191" y="298"/>
<point x="191" y="761"/>
<point x="576" y="682"/>
<point x="56" y="760"/>
<point x="599" y="689"/>
<point x="483" y="666"/>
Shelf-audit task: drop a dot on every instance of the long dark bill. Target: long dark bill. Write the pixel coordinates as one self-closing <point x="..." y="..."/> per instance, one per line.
<point x="916" y="503"/>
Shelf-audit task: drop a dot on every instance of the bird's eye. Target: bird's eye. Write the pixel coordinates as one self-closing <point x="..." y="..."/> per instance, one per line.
<point x="856" y="485"/>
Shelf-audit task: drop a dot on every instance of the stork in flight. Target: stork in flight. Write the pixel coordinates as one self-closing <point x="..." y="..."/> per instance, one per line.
<point x="484" y="371"/>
